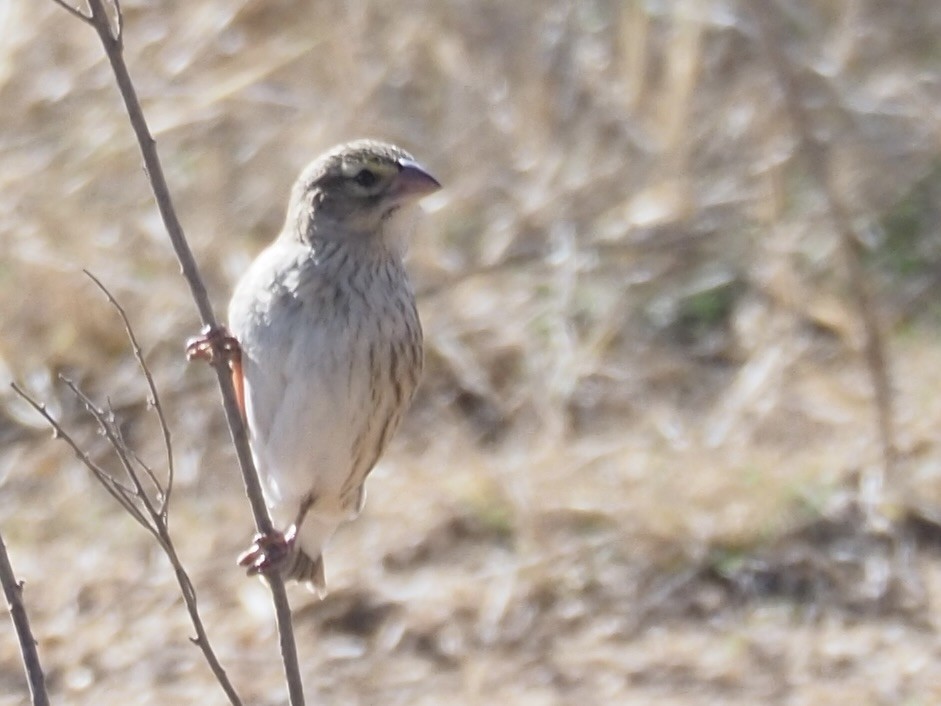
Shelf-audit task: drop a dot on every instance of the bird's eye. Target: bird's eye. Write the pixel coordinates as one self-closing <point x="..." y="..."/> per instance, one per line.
<point x="366" y="178"/>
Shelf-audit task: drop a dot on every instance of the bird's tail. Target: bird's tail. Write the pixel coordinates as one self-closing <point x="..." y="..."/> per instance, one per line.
<point x="310" y="572"/>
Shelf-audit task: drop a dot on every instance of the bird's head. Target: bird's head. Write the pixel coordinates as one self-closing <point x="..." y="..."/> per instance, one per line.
<point x="359" y="190"/>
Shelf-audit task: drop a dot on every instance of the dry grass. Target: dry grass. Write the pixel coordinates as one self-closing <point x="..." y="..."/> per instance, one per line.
<point x="631" y="473"/>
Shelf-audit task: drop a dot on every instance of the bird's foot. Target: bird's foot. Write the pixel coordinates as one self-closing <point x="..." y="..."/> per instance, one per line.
<point x="270" y="553"/>
<point x="214" y="344"/>
<point x="217" y="345"/>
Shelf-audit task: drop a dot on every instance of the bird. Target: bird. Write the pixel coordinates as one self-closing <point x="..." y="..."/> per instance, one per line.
<point x="325" y="345"/>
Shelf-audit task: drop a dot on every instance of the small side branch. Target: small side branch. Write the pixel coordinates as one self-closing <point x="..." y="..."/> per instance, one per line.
<point x="13" y="591"/>
<point x="154" y="399"/>
<point x="73" y="11"/>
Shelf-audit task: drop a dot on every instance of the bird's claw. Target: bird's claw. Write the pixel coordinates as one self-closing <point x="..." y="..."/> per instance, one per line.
<point x="213" y="344"/>
<point x="269" y="553"/>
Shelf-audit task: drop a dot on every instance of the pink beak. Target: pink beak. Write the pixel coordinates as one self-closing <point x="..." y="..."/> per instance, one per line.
<point x="413" y="181"/>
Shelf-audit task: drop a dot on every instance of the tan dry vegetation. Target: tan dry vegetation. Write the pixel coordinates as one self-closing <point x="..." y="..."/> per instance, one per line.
<point x="630" y="476"/>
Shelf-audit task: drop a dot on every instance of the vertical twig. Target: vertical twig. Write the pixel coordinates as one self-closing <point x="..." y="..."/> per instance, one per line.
<point x="112" y="42"/>
<point x="816" y="153"/>
<point x="13" y="590"/>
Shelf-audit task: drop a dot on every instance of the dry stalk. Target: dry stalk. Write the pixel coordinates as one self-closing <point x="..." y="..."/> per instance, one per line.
<point x="816" y="153"/>
<point x="110" y="33"/>
<point x="13" y="591"/>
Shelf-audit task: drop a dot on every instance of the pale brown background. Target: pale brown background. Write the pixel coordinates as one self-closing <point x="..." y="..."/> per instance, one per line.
<point x="628" y="478"/>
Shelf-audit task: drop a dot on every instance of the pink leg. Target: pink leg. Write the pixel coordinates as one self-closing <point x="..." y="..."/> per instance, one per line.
<point x="274" y="552"/>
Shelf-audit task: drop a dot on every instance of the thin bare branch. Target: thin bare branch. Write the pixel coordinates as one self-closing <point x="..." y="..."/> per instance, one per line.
<point x="112" y="46"/>
<point x="73" y="11"/>
<point x="817" y="155"/>
<point x="189" y="599"/>
<point x="154" y="400"/>
<point x="13" y="590"/>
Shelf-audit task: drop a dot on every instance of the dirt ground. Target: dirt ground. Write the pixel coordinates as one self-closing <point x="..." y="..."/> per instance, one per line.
<point x="644" y="465"/>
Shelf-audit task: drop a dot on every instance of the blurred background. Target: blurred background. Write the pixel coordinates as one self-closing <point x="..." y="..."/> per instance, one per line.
<point x="634" y="470"/>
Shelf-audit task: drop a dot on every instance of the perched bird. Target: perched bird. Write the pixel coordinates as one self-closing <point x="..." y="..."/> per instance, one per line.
<point x="325" y="344"/>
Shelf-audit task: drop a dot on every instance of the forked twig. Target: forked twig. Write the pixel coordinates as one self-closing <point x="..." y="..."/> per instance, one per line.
<point x="816" y="153"/>
<point x="13" y="591"/>
<point x="153" y="401"/>
<point x="111" y="37"/>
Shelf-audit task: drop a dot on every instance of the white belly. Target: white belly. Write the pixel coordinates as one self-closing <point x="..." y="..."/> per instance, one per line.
<point x="309" y="375"/>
